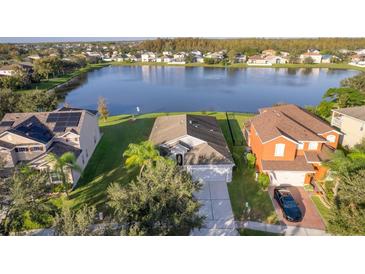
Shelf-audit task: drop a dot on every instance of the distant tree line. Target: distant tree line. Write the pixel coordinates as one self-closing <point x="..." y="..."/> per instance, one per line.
<point x="252" y="45"/>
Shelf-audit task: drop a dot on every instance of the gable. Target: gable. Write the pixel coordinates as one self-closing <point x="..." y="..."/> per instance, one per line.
<point x="16" y="139"/>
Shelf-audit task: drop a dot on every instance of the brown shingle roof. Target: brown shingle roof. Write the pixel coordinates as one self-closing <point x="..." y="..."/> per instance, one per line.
<point x="206" y="128"/>
<point x="356" y="112"/>
<point x="290" y="121"/>
<point x="298" y="164"/>
<point x="318" y="157"/>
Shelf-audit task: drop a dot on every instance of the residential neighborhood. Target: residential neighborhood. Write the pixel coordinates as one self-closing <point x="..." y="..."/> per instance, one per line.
<point x="181" y="136"/>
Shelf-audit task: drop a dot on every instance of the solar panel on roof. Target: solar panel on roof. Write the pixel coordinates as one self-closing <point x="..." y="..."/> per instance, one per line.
<point x="59" y="129"/>
<point x="68" y="119"/>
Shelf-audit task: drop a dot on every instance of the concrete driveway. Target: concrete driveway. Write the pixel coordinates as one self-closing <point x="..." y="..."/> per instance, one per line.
<point x="311" y="218"/>
<point x="216" y="207"/>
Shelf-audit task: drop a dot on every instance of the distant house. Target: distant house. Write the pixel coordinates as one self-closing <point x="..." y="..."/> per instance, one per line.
<point x="313" y="50"/>
<point x="276" y="59"/>
<point x="199" y="59"/>
<point x="241" y="58"/>
<point x="34" y="57"/>
<point x="31" y="137"/>
<point x="214" y="55"/>
<point x="8" y="70"/>
<point x="290" y="144"/>
<point x="358" y="60"/>
<point x="196" y="143"/>
<point x="351" y="122"/>
<point x="316" y="57"/>
<point x="258" y="60"/>
<point x="148" y="57"/>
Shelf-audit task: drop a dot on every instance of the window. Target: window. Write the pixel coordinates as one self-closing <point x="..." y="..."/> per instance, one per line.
<point x="300" y="146"/>
<point x="21" y="149"/>
<point x="331" y="138"/>
<point x="36" y="149"/>
<point x="279" y="150"/>
<point x="313" y="146"/>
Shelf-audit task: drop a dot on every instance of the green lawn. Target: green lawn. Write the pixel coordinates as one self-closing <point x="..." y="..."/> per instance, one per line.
<point x="106" y="164"/>
<point x="322" y="209"/>
<point x="53" y="82"/>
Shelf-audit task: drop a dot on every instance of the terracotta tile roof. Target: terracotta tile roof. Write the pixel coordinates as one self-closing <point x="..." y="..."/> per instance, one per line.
<point x="205" y="128"/>
<point x="356" y="112"/>
<point x="318" y="157"/>
<point x="298" y="164"/>
<point x="290" y="121"/>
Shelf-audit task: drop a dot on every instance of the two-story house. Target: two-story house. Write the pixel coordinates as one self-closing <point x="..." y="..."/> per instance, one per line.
<point x="290" y="144"/>
<point x="351" y="122"/>
<point x="31" y="137"/>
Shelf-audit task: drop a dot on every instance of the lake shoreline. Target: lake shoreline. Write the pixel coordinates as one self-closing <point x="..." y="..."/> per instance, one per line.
<point x="64" y="81"/>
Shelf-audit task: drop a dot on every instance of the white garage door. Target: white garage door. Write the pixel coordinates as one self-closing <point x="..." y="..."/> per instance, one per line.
<point x="209" y="174"/>
<point x="287" y="178"/>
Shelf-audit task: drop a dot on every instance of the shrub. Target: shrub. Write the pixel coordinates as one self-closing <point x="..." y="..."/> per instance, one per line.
<point x="263" y="181"/>
<point x="251" y="159"/>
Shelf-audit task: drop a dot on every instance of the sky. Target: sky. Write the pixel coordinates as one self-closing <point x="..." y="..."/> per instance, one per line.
<point x="67" y="39"/>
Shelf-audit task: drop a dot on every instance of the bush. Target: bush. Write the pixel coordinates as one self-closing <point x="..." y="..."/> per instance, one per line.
<point x="263" y="181"/>
<point x="251" y="159"/>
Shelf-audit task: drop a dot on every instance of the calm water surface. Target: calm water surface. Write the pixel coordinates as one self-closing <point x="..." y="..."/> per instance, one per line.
<point x="160" y="89"/>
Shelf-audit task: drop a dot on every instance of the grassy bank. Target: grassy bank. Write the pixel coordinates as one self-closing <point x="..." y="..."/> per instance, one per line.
<point x="243" y="65"/>
<point x="51" y="83"/>
<point x="106" y="164"/>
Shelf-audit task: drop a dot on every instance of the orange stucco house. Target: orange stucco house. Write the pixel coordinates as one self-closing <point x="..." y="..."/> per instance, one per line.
<point x="290" y="144"/>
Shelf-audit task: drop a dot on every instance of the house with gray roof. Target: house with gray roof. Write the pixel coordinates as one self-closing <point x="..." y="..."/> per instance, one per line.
<point x="351" y="122"/>
<point x="197" y="144"/>
<point x="30" y="137"/>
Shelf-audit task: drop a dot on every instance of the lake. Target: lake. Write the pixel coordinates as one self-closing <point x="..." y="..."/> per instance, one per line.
<point x="163" y="88"/>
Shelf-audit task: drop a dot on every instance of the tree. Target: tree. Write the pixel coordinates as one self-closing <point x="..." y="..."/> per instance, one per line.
<point x="62" y="166"/>
<point x="74" y="223"/>
<point x="357" y="82"/>
<point x="159" y="202"/>
<point x="232" y="56"/>
<point x="139" y="155"/>
<point x="345" y="97"/>
<point x="25" y="192"/>
<point x="8" y="102"/>
<point x="348" y="216"/>
<point x="103" y="108"/>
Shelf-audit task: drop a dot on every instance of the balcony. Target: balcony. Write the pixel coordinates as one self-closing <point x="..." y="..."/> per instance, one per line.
<point x="336" y="121"/>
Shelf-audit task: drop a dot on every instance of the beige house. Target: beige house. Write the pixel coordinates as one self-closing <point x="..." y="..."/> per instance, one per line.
<point x="31" y="137"/>
<point x="351" y="122"/>
<point x="197" y="144"/>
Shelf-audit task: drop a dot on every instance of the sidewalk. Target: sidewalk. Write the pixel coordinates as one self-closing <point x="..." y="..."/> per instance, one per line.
<point x="284" y="230"/>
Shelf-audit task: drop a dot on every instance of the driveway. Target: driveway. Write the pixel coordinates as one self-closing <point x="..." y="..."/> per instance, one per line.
<point x="216" y="207"/>
<point x="311" y="218"/>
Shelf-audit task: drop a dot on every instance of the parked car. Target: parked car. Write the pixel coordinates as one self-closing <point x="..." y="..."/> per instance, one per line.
<point x="288" y="205"/>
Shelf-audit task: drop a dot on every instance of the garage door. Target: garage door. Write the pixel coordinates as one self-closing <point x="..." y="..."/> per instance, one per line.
<point x="287" y="178"/>
<point x="209" y="174"/>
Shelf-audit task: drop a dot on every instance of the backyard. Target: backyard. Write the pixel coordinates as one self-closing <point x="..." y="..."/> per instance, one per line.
<point x="106" y="164"/>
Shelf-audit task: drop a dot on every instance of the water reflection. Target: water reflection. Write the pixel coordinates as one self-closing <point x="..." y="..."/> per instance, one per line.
<point x="161" y="88"/>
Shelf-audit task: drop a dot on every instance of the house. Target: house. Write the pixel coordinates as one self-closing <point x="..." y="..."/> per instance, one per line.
<point x="313" y="50"/>
<point x="241" y="58"/>
<point x="351" y="122"/>
<point x="317" y="58"/>
<point x="31" y="137"/>
<point x="290" y="144"/>
<point x="148" y="57"/>
<point x="329" y="58"/>
<point x="7" y="70"/>
<point x="358" y="60"/>
<point x="276" y="59"/>
<point x="196" y="143"/>
<point x="258" y="60"/>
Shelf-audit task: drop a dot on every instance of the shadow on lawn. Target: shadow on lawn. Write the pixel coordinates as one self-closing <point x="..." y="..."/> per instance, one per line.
<point x="106" y="163"/>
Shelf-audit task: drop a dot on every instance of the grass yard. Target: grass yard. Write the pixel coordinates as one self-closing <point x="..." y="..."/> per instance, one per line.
<point x="106" y="164"/>
<point x="322" y="209"/>
<point x="53" y="82"/>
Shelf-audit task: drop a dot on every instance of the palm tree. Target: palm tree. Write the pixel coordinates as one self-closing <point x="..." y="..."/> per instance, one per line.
<point x="62" y="165"/>
<point x="138" y="155"/>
